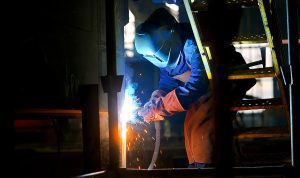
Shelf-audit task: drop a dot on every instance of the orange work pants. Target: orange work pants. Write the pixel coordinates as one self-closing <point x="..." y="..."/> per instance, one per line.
<point x="199" y="132"/>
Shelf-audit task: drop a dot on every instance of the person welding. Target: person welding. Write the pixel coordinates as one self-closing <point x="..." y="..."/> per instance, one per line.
<point x="183" y="84"/>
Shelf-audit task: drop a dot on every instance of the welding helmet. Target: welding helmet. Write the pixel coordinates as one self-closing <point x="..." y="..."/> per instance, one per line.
<point x="158" y="40"/>
<point x="161" y="46"/>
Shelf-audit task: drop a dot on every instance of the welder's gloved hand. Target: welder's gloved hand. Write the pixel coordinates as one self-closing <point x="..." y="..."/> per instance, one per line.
<point x="150" y="113"/>
<point x="160" y="106"/>
<point x="150" y="110"/>
<point x="155" y="97"/>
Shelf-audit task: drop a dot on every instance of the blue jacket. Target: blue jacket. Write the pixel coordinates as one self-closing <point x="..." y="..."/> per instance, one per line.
<point x="190" y="59"/>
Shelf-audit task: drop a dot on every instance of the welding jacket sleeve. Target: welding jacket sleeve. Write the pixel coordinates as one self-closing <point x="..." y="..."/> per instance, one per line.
<point x="181" y="94"/>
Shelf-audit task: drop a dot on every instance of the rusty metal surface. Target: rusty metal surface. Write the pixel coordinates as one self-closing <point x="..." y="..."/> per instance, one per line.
<point x="252" y="73"/>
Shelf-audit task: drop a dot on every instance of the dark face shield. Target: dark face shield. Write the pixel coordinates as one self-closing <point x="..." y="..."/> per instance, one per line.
<point x="161" y="48"/>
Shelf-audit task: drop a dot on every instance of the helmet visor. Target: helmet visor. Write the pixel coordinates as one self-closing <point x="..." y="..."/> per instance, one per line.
<point x="169" y="51"/>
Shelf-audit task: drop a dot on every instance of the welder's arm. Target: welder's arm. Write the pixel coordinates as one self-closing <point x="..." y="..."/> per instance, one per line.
<point x="179" y="98"/>
<point x="198" y="84"/>
<point x="154" y="109"/>
<point x="159" y="107"/>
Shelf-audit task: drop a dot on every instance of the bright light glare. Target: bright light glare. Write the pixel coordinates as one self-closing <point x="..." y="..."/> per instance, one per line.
<point x="130" y="105"/>
<point x="129" y="53"/>
<point x="129" y="35"/>
<point x="128" y="114"/>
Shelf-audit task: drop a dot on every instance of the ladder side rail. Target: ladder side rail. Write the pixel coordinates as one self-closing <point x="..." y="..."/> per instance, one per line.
<point x="269" y="26"/>
<point x="196" y="31"/>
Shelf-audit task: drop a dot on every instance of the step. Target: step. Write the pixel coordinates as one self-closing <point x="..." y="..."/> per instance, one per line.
<point x="255" y="40"/>
<point x="250" y="39"/>
<point x="263" y="132"/>
<point x="252" y="73"/>
<point x="257" y="104"/>
<point x="202" y="5"/>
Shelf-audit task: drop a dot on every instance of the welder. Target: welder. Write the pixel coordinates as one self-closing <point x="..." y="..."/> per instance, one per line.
<point x="183" y="84"/>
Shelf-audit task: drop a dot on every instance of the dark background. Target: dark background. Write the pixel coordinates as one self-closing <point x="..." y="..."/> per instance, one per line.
<point x="50" y="48"/>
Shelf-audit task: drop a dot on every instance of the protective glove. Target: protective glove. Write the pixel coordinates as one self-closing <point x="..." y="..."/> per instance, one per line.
<point x="150" y="110"/>
<point x="160" y="106"/>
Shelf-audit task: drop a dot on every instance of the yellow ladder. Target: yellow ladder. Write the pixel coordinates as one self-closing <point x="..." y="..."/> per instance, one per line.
<point x="270" y="36"/>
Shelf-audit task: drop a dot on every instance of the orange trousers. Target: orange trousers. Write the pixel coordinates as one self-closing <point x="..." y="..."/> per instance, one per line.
<point x="199" y="132"/>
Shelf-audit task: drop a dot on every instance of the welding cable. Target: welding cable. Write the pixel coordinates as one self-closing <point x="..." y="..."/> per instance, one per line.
<point x="157" y="144"/>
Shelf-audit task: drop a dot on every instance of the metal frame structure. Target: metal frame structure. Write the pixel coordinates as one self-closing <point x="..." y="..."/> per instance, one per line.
<point x="262" y="170"/>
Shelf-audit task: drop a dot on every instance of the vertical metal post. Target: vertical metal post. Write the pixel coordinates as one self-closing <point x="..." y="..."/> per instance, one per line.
<point x="294" y="64"/>
<point x="112" y="85"/>
<point x="90" y="127"/>
<point x="220" y="84"/>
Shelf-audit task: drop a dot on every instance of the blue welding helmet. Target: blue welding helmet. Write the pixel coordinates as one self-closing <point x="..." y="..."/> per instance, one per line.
<point x="161" y="46"/>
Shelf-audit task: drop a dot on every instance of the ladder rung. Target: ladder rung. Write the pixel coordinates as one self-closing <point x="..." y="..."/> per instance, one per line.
<point x="257" y="104"/>
<point x="252" y="73"/>
<point x="201" y="5"/>
<point x="263" y="132"/>
<point x="250" y="39"/>
<point x="255" y="39"/>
